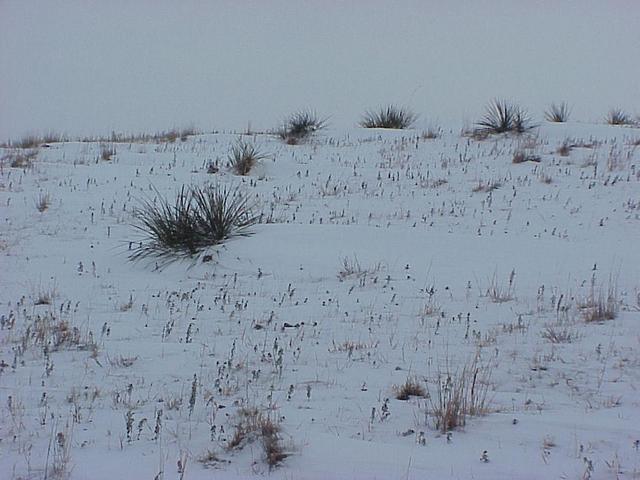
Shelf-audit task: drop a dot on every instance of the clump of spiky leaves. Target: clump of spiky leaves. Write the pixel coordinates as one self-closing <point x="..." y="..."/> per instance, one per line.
<point x="300" y="125"/>
<point x="617" y="116"/>
<point x="390" y="116"/>
<point x="558" y="113"/>
<point x="502" y="117"/>
<point x="243" y="157"/>
<point x="199" y="217"/>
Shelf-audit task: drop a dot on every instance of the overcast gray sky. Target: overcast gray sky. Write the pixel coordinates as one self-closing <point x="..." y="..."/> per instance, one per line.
<point x="90" y="67"/>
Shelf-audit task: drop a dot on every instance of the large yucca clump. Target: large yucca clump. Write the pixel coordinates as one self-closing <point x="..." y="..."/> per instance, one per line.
<point x="390" y="116"/>
<point x="301" y="125"/>
<point x="501" y="117"/>
<point x="199" y="217"/>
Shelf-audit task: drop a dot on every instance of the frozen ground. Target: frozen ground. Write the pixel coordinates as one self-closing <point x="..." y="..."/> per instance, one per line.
<point x="382" y="256"/>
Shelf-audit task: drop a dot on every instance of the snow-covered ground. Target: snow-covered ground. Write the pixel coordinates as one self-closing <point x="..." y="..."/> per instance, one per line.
<point x="382" y="257"/>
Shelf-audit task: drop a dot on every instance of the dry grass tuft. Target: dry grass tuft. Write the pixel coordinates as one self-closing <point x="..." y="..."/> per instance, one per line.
<point x="600" y="304"/>
<point x="521" y="156"/>
<point x="410" y="388"/>
<point x="486" y="187"/>
<point x="461" y="394"/>
<point x="254" y="425"/>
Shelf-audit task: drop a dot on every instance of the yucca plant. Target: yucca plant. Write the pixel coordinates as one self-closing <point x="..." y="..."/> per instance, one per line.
<point x="301" y="125"/>
<point x="502" y="117"/>
<point x="558" y="113"/>
<point x="617" y="116"/>
<point x="222" y="213"/>
<point x="243" y="157"/>
<point x="390" y="116"/>
<point x="199" y="217"/>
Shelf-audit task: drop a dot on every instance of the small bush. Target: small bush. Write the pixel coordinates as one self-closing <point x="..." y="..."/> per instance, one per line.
<point x="617" y="116"/>
<point x="558" y="113"/>
<point x="390" y="116"/>
<point x="243" y="157"/>
<point x="503" y="117"/>
<point x="410" y="388"/>
<point x="300" y="125"/>
<point x="200" y="217"/>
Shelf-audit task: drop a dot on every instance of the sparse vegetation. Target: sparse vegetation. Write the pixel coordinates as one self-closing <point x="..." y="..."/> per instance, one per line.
<point x="35" y="141"/>
<point x="486" y="187"/>
<point x="558" y="113"/>
<point x="351" y="268"/>
<point x="20" y="158"/>
<point x="243" y="157"/>
<point x="200" y="217"/>
<point x="558" y="335"/>
<point x="501" y="293"/>
<point x="390" y="116"/>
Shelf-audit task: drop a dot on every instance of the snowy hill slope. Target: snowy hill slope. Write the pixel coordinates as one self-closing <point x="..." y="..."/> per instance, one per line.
<point x="382" y="257"/>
